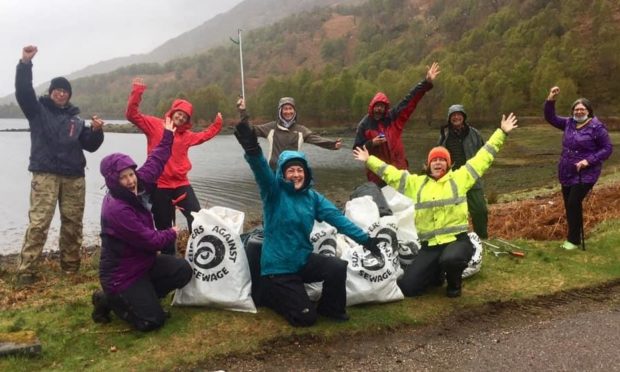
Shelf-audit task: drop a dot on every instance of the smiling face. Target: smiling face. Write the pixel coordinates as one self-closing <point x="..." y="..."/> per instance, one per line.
<point x="288" y="111"/>
<point x="179" y="118"/>
<point x="439" y="167"/>
<point x="457" y="119"/>
<point x="60" y="97"/>
<point x="580" y="110"/>
<point x="128" y="180"/>
<point x="295" y="174"/>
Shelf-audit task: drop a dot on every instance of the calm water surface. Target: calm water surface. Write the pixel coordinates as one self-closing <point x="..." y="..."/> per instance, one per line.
<point x="220" y="176"/>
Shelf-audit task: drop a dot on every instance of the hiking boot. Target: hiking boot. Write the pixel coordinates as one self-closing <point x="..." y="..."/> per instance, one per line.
<point x="25" y="280"/>
<point x="455" y="280"/>
<point x="569" y="246"/>
<point x="101" y="311"/>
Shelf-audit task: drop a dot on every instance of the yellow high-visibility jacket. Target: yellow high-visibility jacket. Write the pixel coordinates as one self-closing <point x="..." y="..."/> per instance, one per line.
<point x="440" y="205"/>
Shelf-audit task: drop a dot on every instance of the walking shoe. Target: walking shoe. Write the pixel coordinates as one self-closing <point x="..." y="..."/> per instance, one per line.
<point x="569" y="246"/>
<point x="101" y="311"/>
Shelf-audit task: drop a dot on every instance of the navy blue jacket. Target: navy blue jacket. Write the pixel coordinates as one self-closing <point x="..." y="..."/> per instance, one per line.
<point x="58" y="135"/>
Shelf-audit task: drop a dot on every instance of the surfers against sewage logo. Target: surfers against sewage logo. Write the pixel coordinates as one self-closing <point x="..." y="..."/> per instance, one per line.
<point x="373" y="268"/>
<point x="211" y="249"/>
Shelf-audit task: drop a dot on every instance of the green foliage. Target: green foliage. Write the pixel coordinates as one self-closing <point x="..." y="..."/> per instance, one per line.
<point x="496" y="56"/>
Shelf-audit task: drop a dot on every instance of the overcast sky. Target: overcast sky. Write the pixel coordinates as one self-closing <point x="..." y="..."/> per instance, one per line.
<point x="72" y="34"/>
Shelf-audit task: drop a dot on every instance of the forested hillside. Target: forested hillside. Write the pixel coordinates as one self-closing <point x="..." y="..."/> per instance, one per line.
<point x="496" y="56"/>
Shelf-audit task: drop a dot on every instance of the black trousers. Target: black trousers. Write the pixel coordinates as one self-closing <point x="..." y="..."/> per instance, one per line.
<point x="431" y="262"/>
<point x="573" y="198"/>
<point x="139" y="304"/>
<point x="286" y="295"/>
<point x="164" y="211"/>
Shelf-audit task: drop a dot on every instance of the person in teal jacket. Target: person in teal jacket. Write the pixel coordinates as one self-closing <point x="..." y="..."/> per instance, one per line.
<point x="290" y="207"/>
<point x="440" y="198"/>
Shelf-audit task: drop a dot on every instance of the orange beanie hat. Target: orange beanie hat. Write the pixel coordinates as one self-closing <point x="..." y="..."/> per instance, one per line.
<point x="439" y="152"/>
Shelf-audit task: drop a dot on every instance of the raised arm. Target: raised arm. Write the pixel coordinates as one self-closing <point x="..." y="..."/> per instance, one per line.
<point x="144" y="122"/>
<point x="264" y="176"/>
<point x="315" y="139"/>
<point x="209" y="132"/>
<point x="550" y="116"/>
<point x="405" y="108"/>
<point x="477" y="166"/>
<point x="150" y="171"/>
<point x="24" y="92"/>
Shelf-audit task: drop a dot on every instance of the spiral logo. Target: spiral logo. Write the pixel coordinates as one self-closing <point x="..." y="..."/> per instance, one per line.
<point x="210" y="252"/>
<point x="388" y="237"/>
<point x="327" y="247"/>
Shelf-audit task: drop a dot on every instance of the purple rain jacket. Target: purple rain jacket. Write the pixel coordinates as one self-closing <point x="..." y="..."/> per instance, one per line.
<point x="590" y="142"/>
<point x="129" y="240"/>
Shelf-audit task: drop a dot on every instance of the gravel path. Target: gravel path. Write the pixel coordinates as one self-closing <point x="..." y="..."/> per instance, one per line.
<point x="569" y="331"/>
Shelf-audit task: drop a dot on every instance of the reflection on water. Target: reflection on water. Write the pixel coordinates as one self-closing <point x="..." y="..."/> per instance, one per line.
<point x="220" y="176"/>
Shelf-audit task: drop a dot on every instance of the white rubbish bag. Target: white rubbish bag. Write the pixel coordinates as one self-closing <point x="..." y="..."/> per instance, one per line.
<point x="370" y="278"/>
<point x="476" y="259"/>
<point x="221" y="276"/>
<point x="403" y="211"/>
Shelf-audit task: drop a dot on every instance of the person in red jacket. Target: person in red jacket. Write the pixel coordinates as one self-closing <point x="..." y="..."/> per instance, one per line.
<point x="173" y="186"/>
<point x="381" y="130"/>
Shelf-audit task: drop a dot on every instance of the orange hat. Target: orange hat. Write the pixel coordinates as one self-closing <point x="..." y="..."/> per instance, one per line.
<point x="439" y="152"/>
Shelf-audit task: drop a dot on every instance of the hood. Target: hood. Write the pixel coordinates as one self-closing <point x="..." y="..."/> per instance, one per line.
<point x="286" y="101"/>
<point x="457" y="108"/>
<point x="297" y="155"/>
<point x="379" y="97"/>
<point x="111" y="167"/>
<point x="186" y="107"/>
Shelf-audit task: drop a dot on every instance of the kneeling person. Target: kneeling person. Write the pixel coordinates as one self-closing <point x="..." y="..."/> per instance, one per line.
<point x="290" y="207"/>
<point x="134" y="277"/>
<point x="440" y="198"/>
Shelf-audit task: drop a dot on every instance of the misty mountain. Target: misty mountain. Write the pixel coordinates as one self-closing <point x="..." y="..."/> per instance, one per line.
<point x="247" y="15"/>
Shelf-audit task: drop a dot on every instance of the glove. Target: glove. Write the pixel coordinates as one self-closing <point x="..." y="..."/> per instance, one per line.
<point x="372" y="245"/>
<point x="247" y="138"/>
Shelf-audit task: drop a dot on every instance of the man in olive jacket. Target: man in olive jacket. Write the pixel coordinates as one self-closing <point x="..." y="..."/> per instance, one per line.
<point x="463" y="141"/>
<point x="58" y="137"/>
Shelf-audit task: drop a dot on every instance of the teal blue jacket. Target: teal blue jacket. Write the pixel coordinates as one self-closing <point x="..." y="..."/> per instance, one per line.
<point x="289" y="214"/>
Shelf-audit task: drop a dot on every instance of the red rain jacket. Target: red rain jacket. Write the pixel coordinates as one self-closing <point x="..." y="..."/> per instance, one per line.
<point x="177" y="167"/>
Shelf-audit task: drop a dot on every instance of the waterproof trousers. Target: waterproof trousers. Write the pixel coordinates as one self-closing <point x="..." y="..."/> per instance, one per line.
<point x="47" y="190"/>
<point x="165" y="202"/>
<point x="477" y="206"/>
<point x="287" y="296"/>
<point x="573" y="198"/>
<point x="139" y="304"/>
<point x="432" y="262"/>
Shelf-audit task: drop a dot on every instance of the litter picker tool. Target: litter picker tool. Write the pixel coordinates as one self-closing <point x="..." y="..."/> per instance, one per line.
<point x="239" y="42"/>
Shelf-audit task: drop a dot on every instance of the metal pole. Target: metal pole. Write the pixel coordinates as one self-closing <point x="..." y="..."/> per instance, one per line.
<point x="583" y="235"/>
<point x="241" y="63"/>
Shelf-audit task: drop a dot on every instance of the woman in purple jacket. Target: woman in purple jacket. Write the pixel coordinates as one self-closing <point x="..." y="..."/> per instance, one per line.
<point x="585" y="145"/>
<point x="134" y="277"/>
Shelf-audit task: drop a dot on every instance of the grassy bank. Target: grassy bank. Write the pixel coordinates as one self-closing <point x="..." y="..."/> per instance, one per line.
<point x="58" y="310"/>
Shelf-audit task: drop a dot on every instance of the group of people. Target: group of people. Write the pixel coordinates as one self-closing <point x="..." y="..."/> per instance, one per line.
<point x="138" y="264"/>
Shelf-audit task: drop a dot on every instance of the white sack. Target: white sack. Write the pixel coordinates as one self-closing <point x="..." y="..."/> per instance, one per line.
<point x="221" y="273"/>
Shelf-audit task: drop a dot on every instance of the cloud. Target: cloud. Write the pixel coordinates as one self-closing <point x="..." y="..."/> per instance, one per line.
<point x="72" y="34"/>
